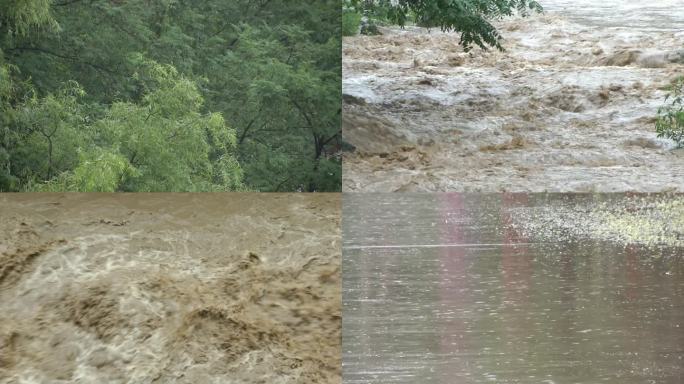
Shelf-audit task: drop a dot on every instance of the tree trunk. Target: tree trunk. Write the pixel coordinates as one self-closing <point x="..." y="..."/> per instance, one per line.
<point x="49" y="170"/>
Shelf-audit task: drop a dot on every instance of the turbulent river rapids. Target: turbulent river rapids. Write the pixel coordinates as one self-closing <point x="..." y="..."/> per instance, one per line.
<point x="569" y="106"/>
<point x="169" y="288"/>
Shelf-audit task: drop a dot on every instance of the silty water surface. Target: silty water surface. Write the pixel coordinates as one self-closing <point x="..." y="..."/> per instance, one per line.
<point x="635" y="14"/>
<point x="568" y="107"/>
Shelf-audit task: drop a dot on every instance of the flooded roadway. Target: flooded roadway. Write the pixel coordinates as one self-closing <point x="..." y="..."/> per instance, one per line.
<point x="443" y="288"/>
<point x="569" y="107"/>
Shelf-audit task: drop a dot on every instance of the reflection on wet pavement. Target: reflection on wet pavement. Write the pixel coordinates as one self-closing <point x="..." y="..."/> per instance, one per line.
<point x="442" y="289"/>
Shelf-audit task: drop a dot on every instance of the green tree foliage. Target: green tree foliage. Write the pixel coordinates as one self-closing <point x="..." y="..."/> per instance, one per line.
<point x="162" y="143"/>
<point x="173" y="95"/>
<point x="47" y="134"/>
<point x="351" y="20"/>
<point x="471" y="18"/>
<point x="18" y="17"/>
<point x="670" y="122"/>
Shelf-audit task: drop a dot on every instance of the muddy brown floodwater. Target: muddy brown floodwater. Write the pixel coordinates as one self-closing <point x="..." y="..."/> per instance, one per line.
<point x="170" y="288"/>
<point x="569" y="107"/>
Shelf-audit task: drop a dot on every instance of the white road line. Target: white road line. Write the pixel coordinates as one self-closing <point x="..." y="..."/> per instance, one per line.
<point x="435" y="245"/>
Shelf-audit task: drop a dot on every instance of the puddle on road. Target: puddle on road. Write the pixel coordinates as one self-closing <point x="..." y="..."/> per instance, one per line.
<point x="569" y="107"/>
<point x="169" y="288"/>
<point x="452" y="288"/>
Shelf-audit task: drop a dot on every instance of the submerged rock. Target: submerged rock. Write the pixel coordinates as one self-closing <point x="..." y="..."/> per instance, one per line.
<point x="369" y="28"/>
<point x="676" y="56"/>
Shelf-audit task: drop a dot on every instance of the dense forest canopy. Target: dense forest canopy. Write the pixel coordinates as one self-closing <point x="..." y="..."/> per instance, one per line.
<point x="170" y="95"/>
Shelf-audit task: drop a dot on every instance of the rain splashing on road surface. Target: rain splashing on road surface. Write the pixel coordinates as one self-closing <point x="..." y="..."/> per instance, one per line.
<point x="512" y="288"/>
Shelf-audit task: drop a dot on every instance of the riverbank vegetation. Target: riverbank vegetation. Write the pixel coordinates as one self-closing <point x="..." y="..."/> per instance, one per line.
<point x="169" y="95"/>
<point x="471" y="18"/>
<point x="670" y="122"/>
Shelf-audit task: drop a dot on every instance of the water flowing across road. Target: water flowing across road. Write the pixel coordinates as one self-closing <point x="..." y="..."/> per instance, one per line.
<point x="456" y="288"/>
